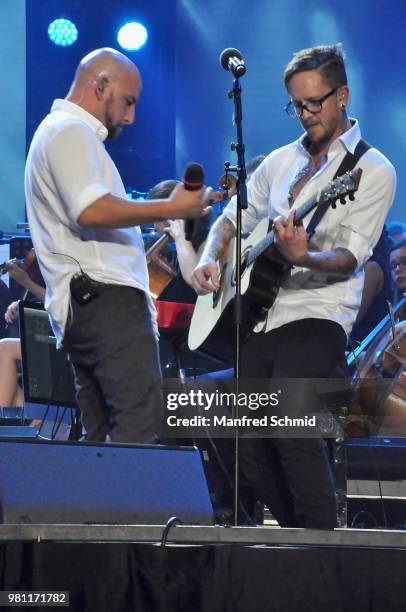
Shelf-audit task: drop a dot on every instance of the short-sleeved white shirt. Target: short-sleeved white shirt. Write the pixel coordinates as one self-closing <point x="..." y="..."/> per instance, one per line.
<point x="355" y="226"/>
<point x="67" y="170"/>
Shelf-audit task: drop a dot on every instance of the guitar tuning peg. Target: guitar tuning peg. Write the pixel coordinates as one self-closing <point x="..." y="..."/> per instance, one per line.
<point x="333" y="204"/>
<point x="352" y="197"/>
<point x="342" y="200"/>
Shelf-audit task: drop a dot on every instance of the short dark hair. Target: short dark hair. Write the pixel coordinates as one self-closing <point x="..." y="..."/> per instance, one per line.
<point x="162" y="190"/>
<point x="327" y="59"/>
<point x="398" y="245"/>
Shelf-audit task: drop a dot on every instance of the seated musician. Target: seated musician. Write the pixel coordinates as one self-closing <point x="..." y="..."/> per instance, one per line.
<point x="397" y="262"/>
<point x="187" y="253"/>
<point x="383" y="358"/>
<point x="376" y="291"/>
<point x="11" y="393"/>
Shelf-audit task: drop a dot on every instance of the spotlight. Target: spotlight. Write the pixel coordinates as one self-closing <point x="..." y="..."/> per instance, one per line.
<point x="132" y="36"/>
<point x="62" y="32"/>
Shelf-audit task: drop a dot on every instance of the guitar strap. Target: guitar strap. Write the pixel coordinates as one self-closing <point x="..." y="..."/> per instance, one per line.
<point x="349" y="162"/>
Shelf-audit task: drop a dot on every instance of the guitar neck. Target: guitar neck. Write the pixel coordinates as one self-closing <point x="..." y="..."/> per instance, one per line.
<point x="340" y="187"/>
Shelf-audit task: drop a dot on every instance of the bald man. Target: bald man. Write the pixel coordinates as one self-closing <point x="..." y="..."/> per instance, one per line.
<point x="90" y="249"/>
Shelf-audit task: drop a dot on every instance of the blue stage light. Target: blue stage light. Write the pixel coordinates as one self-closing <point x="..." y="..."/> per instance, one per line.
<point x="132" y="36"/>
<point x="62" y="32"/>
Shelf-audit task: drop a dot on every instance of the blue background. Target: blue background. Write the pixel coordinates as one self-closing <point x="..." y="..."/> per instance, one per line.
<point x="184" y="113"/>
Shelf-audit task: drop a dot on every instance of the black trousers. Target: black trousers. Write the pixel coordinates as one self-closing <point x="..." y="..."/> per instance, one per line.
<point x="292" y="476"/>
<point x="114" y="353"/>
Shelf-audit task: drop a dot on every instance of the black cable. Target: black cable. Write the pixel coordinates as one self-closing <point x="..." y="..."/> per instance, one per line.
<point x="174" y="520"/>
<point x="56" y="425"/>
<point x="225" y="472"/>
<point x="378" y="477"/>
<point x="381" y="396"/>
<point x="57" y="421"/>
<point x="361" y="512"/>
<point x="70" y="257"/>
<point x="42" y="422"/>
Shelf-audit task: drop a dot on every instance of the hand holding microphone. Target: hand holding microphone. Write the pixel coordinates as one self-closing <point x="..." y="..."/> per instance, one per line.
<point x="190" y="198"/>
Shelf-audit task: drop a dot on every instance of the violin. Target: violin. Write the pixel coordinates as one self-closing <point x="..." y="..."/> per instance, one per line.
<point x="160" y="270"/>
<point x="28" y="263"/>
<point x="380" y="379"/>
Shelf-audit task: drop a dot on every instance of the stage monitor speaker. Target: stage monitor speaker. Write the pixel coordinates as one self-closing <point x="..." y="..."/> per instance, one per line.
<point x="81" y="483"/>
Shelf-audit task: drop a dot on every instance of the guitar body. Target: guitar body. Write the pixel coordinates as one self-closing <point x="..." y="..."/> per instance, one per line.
<point x="212" y="328"/>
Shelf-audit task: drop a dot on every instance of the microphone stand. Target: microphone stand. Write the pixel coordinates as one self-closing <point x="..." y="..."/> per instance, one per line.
<point x="242" y="204"/>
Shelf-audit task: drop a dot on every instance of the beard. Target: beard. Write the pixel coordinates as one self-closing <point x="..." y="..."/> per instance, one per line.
<point x="323" y="133"/>
<point x="113" y="129"/>
<point x="318" y="141"/>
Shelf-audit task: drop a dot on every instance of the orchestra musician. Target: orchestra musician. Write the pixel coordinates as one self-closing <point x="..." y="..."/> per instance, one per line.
<point x="176" y="286"/>
<point x="305" y="332"/>
<point x="11" y="392"/>
<point x="89" y="246"/>
<point x="376" y="292"/>
<point x="379" y="373"/>
<point x="397" y="263"/>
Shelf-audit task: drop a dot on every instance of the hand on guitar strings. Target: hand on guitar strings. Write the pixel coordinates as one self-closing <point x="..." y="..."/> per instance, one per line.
<point x="290" y="238"/>
<point x="206" y="277"/>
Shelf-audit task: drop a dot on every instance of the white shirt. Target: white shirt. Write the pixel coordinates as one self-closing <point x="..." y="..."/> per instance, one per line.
<point x="68" y="169"/>
<point x="355" y="226"/>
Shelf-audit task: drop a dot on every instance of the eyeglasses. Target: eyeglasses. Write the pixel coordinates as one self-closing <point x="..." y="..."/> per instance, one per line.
<point x="295" y="109"/>
<point x="401" y="263"/>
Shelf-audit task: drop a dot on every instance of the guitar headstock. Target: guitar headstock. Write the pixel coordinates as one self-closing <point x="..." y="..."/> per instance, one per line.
<point x="342" y="187"/>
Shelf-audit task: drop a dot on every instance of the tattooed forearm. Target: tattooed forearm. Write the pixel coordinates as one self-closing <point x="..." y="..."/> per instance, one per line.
<point x="337" y="261"/>
<point x="218" y="239"/>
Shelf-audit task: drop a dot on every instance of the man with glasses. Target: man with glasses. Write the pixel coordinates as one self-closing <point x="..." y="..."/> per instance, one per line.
<point x="305" y="332"/>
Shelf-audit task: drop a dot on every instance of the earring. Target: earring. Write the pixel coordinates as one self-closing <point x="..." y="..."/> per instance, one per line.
<point x="342" y="106"/>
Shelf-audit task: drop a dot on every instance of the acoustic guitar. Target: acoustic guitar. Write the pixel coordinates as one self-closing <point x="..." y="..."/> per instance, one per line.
<point x="263" y="271"/>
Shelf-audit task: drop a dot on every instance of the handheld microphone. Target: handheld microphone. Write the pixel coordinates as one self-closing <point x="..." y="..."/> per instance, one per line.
<point x="193" y="180"/>
<point x="231" y="59"/>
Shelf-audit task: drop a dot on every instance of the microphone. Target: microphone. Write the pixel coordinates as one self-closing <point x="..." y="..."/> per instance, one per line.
<point x="193" y="179"/>
<point x="231" y="59"/>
